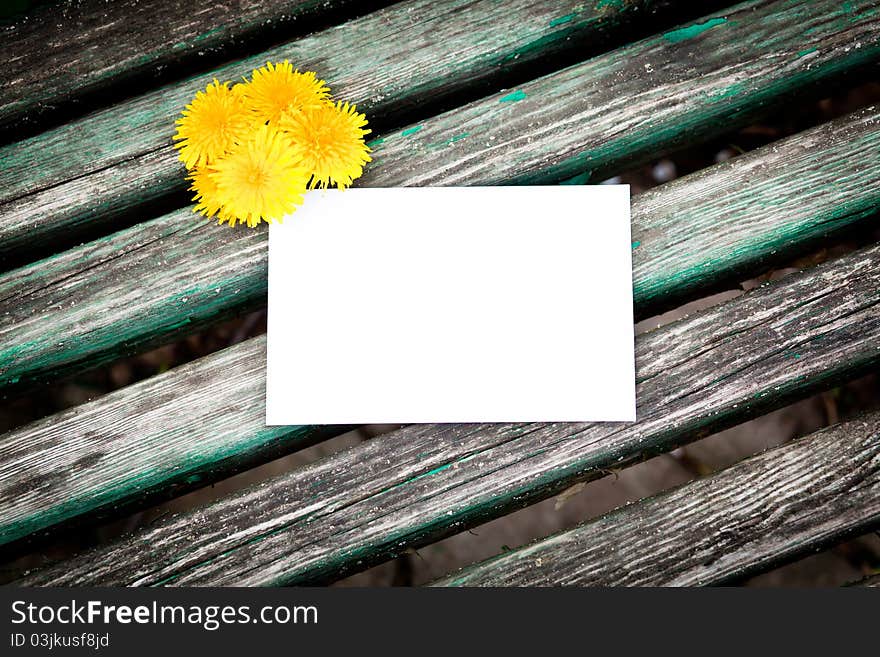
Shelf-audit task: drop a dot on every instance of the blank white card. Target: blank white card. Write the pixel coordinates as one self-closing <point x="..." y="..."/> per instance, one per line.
<point x="468" y="304"/>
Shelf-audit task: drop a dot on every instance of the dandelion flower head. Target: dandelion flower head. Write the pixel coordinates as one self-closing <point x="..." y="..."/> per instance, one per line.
<point x="259" y="179"/>
<point x="207" y="195"/>
<point x="329" y="141"/>
<point x="211" y="124"/>
<point x="254" y="148"/>
<point x="276" y="88"/>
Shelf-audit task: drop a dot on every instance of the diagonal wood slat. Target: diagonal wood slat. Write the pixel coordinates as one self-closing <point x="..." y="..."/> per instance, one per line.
<point x="423" y="482"/>
<point x="759" y="513"/>
<point x="394" y="62"/>
<point x="607" y="113"/>
<point x="78" y="309"/>
<point x="60" y="54"/>
<point x="194" y="425"/>
<point x="790" y="201"/>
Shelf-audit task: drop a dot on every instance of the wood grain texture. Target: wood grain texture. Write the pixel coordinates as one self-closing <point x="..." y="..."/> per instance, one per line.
<point x="420" y="483"/>
<point x="56" y="55"/>
<point x="633" y="103"/>
<point x="126" y="292"/>
<point x="79" y="309"/>
<point x="762" y="512"/>
<point x="727" y="222"/>
<point x="690" y="233"/>
<point x="155" y="439"/>
<point x="402" y="60"/>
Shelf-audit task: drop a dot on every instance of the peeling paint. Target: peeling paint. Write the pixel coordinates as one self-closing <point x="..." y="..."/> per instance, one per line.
<point x="562" y="20"/>
<point x="691" y="31"/>
<point x="517" y="95"/>
<point x="410" y="131"/>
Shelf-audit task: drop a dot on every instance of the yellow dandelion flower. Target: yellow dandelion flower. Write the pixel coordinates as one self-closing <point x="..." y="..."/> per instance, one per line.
<point x="260" y="179"/>
<point x="211" y="124"/>
<point x="207" y="196"/>
<point x="329" y="142"/>
<point x="276" y="88"/>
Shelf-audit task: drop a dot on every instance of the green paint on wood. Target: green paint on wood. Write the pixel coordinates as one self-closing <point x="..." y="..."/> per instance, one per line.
<point x="691" y="31"/>
<point x="438" y="470"/>
<point x="513" y="97"/>
<point x="376" y="142"/>
<point x="613" y="4"/>
<point x="562" y="20"/>
<point x="410" y="131"/>
<point x="456" y="138"/>
<point x="581" y="179"/>
<point x="607" y="152"/>
<point x="728" y="92"/>
<point x="806" y="52"/>
<point x="636" y="245"/>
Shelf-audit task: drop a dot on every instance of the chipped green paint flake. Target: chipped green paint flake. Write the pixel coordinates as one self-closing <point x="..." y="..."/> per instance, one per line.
<point x="513" y="97"/>
<point x="456" y="138"/>
<point x="636" y="245"/>
<point x="691" y="31"/>
<point x="410" y="131"/>
<point x="438" y="470"/>
<point x="376" y="142"/>
<point x="808" y="51"/>
<point x="562" y="20"/>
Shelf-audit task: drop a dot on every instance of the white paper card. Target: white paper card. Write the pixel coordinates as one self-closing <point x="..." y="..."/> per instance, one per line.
<point x="443" y="304"/>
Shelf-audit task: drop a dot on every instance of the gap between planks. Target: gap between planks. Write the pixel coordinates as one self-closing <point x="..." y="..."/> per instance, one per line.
<point x="424" y="482"/>
<point x="760" y="513"/>
<point x="600" y="116"/>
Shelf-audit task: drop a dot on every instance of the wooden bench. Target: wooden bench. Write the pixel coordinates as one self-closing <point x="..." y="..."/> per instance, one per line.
<point x="102" y="259"/>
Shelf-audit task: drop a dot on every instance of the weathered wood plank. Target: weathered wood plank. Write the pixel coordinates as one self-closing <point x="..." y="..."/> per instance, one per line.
<point x="128" y="291"/>
<point x="420" y="483"/>
<point x="761" y="512"/>
<point x="57" y="56"/>
<point x="724" y="224"/>
<point x="636" y="102"/>
<point x="411" y="58"/>
<point x="605" y="114"/>
<point x="729" y="216"/>
<point x="79" y="309"/>
<point x="161" y="437"/>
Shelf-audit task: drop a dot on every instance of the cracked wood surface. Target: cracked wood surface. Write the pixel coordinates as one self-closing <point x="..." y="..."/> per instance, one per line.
<point x="688" y="233"/>
<point x="57" y="55"/>
<point x="80" y="309"/>
<point x="420" y="483"/>
<point x="753" y="516"/>
<point x="410" y="58"/>
<point x="196" y="424"/>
